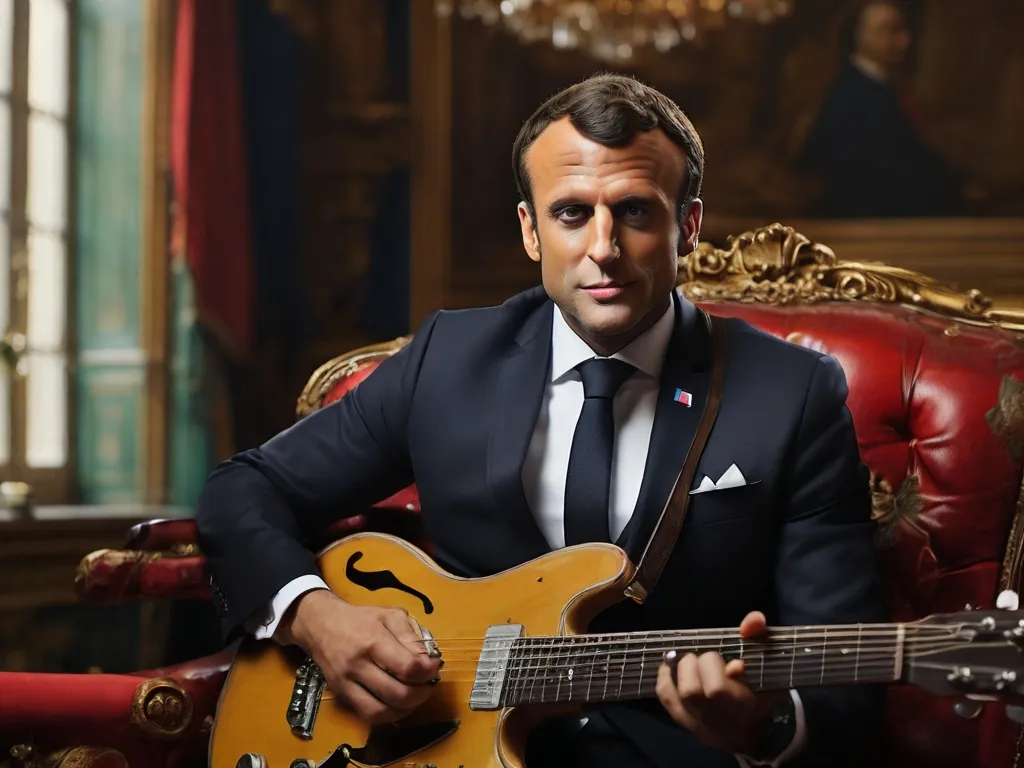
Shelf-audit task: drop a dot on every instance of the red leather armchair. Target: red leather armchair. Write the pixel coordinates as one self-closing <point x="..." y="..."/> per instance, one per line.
<point x="937" y="394"/>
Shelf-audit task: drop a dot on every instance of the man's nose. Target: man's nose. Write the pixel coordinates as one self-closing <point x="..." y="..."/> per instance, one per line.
<point x="603" y="247"/>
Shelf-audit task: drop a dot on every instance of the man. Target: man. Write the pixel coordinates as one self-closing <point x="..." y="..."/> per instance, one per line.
<point x="498" y="414"/>
<point x="867" y="144"/>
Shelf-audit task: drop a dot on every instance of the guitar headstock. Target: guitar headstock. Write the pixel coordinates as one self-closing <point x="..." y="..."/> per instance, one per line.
<point x="973" y="654"/>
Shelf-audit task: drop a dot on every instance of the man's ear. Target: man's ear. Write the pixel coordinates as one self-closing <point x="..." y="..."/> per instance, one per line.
<point x="531" y="242"/>
<point x="689" y="232"/>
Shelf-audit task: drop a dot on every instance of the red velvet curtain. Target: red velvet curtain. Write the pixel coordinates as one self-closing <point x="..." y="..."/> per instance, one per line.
<point x="209" y="170"/>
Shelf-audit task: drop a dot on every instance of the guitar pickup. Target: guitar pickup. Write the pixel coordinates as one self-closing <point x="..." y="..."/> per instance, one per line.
<point x="305" y="701"/>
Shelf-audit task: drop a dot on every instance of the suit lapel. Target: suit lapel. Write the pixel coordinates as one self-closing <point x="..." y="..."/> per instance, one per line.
<point x="687" y="367"/>
<point x="519" y="393"/>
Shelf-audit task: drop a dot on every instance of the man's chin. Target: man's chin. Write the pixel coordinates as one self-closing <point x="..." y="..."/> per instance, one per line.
<point x="608" y="321"/>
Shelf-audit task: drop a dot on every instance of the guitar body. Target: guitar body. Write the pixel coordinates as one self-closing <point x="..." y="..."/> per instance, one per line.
<point x="557" y="594"/>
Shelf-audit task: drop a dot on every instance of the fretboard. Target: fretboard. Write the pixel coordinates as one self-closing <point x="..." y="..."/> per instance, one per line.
<point x="616" y="667"/>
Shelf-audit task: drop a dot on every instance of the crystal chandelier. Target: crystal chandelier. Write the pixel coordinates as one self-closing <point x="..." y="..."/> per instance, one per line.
<point x="613" y="30"/>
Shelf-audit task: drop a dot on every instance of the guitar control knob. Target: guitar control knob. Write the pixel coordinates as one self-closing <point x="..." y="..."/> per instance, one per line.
<point x="251" y="760"/>
<point x="302" y="764"/>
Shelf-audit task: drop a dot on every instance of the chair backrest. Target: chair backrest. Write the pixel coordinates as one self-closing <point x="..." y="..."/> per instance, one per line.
<point x="937" y="396"/>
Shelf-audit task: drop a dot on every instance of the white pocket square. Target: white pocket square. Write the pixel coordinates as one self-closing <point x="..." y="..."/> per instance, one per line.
<point x="731" y="478"/>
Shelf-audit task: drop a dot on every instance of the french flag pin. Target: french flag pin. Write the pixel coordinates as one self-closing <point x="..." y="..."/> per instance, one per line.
<point x="683" y="397"/>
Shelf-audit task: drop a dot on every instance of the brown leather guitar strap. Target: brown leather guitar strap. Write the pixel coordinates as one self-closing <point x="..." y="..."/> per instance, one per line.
<point x="670" y="524"/>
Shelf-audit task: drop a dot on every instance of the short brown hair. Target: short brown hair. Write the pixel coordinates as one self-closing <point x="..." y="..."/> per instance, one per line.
<point x="611" y="109"/>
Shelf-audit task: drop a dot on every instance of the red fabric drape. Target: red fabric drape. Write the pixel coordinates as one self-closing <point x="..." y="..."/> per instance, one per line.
<point x="208" y="166"/>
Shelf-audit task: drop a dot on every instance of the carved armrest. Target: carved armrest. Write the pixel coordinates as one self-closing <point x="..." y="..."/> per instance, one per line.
<point x="174" y="534"/>
<point x="150" y="719"/>
<point x="163" y="560"/>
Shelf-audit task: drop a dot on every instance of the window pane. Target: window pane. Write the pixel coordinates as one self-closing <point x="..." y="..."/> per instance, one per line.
<point x="46" y="296"/>
<point x="6" y="44"/>
<point x="5" y="275"/>
<point x="46" y="431"/>
<point x="5" y="415"/>
<point x="5" y="374"/>
<point x="47" y="172"/>
<point x="5" y="153"/>
<point x="48" y="56"/>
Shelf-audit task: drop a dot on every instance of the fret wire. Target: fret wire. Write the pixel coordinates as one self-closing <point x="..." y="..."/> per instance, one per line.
<point x="824" y="650"/>
<point x="643" y="657"/>
<point x="856" y="661"/>
<point x="622" y="677"/>
<point x="792" y="660"/>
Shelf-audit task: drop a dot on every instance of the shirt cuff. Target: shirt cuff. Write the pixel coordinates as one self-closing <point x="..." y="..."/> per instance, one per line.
<point x="796" y="746"/>
<point x="264" y="624"/>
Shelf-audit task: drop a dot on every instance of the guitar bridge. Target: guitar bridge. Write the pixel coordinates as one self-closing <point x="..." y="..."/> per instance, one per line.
<point x="305" y="701"/>
<point x="492" y="668"/>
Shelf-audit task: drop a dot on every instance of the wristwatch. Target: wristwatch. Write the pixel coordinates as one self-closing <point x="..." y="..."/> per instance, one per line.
<point x="777" y="735"/>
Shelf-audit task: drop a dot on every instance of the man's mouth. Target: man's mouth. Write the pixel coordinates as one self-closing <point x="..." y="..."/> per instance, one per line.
<point x="605" y="290"/>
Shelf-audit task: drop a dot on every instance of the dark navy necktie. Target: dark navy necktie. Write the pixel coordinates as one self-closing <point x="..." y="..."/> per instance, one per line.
<point x="588" y="480"/>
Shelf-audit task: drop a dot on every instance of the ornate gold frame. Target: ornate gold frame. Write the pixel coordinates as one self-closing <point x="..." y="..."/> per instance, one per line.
<point x="776" y="265"/>
<point x="330" y="373"/>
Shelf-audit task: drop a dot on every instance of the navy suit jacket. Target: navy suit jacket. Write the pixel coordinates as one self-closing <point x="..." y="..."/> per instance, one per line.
<point x="454" y="411"/>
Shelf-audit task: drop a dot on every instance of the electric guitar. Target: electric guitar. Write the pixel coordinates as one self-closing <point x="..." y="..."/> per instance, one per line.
<point x="516" y="653"/>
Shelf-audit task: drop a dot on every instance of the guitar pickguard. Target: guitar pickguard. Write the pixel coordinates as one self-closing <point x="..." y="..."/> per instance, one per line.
<point x="387" y="744"/>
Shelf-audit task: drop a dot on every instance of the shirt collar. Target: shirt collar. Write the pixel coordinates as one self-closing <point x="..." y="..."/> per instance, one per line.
<point x="646" y="352"/>
<point x="869" y="68"/>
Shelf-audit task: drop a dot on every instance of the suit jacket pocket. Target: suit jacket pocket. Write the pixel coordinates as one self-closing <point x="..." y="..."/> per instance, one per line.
<point x="725" y="505"/>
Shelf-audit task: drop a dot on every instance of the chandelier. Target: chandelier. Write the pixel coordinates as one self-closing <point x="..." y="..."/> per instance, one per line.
<point x="613" y="30"/>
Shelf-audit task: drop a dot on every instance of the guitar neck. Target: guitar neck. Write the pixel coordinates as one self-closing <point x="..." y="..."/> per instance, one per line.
<point x="618" y="667"/>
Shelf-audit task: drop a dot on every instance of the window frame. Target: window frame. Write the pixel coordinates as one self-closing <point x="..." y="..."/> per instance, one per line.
<point x="50" y="485"/>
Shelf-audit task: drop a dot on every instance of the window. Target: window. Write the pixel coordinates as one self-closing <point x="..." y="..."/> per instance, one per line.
<point x="34" y="215"/>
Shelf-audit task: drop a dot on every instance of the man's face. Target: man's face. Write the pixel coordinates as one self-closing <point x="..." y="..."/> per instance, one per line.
<point x="607" y="233"/>
<point x="883" y="36"/>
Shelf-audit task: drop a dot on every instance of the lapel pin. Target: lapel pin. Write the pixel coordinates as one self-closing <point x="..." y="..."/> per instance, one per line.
<point x="682" y="396"/>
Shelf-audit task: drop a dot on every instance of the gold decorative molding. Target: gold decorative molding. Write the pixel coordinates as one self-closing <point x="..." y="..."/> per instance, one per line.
<point x="327" y="376"/>
<point x="28" y="756"/>
<point x="776" y="265"/>
<point x="891" y="507"/>
<point x="161" y="707"/>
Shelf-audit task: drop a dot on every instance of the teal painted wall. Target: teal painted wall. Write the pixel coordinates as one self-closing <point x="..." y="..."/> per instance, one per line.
<point x="110" y="380"/>
<point x="189" y="433"/>
<point x="110" y="370"/>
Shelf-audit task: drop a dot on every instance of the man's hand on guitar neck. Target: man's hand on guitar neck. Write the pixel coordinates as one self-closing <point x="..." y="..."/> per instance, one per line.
<point x="372" y="658"/>
<point x="703" y="694"/>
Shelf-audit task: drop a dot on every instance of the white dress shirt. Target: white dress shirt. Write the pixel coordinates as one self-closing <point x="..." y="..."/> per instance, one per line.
<point x="547" y="460"/>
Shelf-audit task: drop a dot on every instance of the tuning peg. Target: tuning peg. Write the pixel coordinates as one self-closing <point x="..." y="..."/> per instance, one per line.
<point x="1015" y="713"/>
<point x="1007" y="600"/>
<point x="968" y="710"/>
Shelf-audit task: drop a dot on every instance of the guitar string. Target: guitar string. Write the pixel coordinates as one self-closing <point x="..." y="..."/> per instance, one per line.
<point x="547" y="653"/>
<point x="656" y="657"/>
<point x="772" y="633"/>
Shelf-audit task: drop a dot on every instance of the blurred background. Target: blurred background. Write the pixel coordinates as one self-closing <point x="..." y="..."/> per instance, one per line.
<point x="204" y="200"/>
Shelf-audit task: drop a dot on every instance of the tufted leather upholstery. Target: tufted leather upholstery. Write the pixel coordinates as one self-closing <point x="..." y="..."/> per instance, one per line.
<point x="924" y="393"/>
<point x="938" y="403"/>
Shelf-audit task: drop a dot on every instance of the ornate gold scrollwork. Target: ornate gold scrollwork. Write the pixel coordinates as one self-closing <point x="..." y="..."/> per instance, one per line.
<point x="777" y="265"/>
<point x="326" y="377"/>
<point x="161" y="707"/>
<point x="28" y="756"/>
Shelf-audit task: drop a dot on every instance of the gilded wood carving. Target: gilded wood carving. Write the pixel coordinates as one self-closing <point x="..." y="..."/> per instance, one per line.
<point x="776" y="265"/>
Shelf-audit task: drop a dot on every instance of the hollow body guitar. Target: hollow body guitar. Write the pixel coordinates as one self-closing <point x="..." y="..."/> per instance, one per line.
<point x="516" y="653"/>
